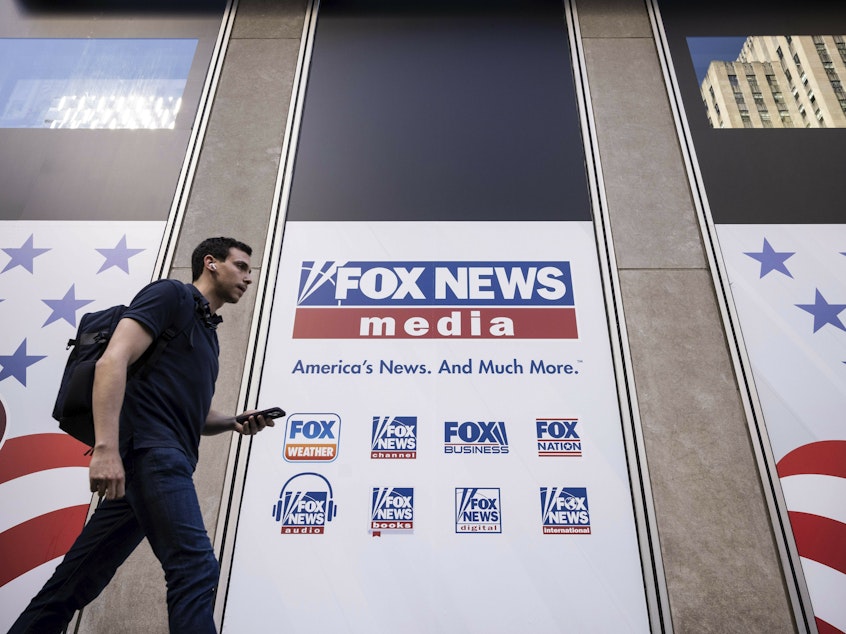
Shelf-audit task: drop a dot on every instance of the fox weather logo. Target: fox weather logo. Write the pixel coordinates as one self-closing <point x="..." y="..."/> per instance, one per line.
<point x="564" y="511"/>
<point x="305" y="505"/>
<point x="312" y="437"/>
<point x="475" y="437"/>
<point x="393" y="437"/>
<point x="477" y="510"/>
<point x="392" y="510"/>
<point x="558" y="437"/>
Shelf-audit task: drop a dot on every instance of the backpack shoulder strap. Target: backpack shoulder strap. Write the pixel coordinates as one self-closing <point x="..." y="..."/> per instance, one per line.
<point x="183" y="321"/>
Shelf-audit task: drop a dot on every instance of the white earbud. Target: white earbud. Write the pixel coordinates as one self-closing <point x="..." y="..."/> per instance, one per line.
<point x="213" y="267"/>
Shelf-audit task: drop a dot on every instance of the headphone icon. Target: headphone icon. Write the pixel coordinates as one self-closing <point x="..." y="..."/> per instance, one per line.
<point x="285" y="497"/>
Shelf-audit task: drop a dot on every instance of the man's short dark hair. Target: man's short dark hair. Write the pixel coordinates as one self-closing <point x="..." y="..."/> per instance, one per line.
<point x="218" y="248"/>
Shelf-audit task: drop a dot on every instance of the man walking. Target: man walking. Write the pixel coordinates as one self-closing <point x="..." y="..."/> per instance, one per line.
<point x="147" y="445"/>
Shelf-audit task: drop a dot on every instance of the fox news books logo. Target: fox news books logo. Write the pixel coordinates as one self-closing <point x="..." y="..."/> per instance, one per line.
<point x="305" y="505"/>
<point x="393" y="437"/>
<point x="517" y="300"/>
<point x="472" y="437"/>
<point x="392" y="510"/>
<point x="558" y="437"/>
<point x="477" y="510"/>
<point x="312" y="437"/>
<point x="564" y="511"/>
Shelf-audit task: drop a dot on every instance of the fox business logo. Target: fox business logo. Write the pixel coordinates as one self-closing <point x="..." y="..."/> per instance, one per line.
<point x="393" y="437"/>
<point x="477" y="510"/>
<point x="312" y="437"/>
<point x="564" y="511"/>
<point x="392" y="510"/>
<point x="511" y="300"/>
<point x="472" y="437"/>
<point x="558" y="437"/>
<point x="305" y="505"/>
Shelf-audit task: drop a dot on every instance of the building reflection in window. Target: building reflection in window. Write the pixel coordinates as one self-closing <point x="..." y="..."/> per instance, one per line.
<point x="772" y="81"/>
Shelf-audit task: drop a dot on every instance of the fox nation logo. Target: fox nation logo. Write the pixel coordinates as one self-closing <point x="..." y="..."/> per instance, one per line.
<point x="312" y="437"/>
<point x="305" y="505"/>
<point x="558" y="437"/>
<point x="393" y="437"/>
<point x="471" y="437"/>
<point x="477" y="510"/>
<point x="391" y="510"/>
<point x="564" y="511"/>
<point x="511" y="300"/>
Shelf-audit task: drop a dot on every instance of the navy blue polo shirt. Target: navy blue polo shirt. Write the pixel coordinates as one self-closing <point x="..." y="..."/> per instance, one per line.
<point x="169" y="405"/>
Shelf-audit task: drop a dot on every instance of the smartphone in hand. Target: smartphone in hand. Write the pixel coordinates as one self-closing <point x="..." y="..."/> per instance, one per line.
<point x="271" y="412"/>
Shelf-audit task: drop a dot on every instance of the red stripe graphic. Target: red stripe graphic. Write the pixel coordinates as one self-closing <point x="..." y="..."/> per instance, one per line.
<point x="826" y="628"/>
<point x="37" y="452"/>
<point x="24" y="547"/>
<point x="820" y="539"/>
<point x="827" y="457"/>
<point x="422" y="323"/>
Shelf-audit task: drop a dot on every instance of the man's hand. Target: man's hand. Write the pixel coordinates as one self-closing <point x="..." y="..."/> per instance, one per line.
<point x="254" y="424"/>
<point x="105" y="474"/>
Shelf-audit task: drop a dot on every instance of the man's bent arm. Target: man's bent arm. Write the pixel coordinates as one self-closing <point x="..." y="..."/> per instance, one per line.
<point x="217" y="423"/>
<point x="128" y="343"/>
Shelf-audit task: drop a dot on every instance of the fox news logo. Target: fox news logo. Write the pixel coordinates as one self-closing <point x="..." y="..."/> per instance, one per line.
<point x="392" y="510"/>
<point x="393" y="437"/>
<point x="558" y="437"/>
<point x="564" y="511"/>
<point x="518" y="300"/>
<point x="312" y="437"/>
<point x="305" y="505"/>
<point x="477" y="510"/>
<point x="472" y="437"/>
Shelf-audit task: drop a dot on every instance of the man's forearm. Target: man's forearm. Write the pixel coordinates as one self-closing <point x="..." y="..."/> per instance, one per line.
<point x="217" y="423"/>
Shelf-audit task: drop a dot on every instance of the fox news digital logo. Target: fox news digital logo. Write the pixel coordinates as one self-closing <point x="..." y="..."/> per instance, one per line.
<point x="558" y="437"/>
<point x="305" y="505"/>
<point x="517" y="300"/>
<point x="392" y="510"/>
<point x="393" y="437"/>
<point x="312" y="437"/>
<point x="477" y="510"/>
<point x="564" y="511"/>
<point x="472" y="437"/>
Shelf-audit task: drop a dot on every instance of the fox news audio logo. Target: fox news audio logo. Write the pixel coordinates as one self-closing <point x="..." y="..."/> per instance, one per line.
<point x="392" y="510"/>
<point x="305" y="505"/>
<point x="518" y="300"/>
<point x="472" y="437"/>
<point x="394" y="437"/>
<point x="558" y="437"/>
<point x="564" y="511"/>
<point x="312" y="437"/>
<point x="477" y="510"/>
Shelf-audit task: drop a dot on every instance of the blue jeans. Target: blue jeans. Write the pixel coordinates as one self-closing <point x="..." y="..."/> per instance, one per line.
<point x="161" y="504"/>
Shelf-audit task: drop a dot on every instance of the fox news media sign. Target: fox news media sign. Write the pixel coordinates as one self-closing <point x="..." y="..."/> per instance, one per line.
<point x="518" y="300"/>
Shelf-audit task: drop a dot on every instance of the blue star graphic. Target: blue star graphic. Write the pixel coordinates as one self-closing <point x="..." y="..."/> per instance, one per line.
<point x="771" y="260"/>
<point x="119" y="256"/>
<point x="824" y="313"/>
<point x="23" y="256"/>
<point x="66" y="307"/>
<point x="16" y="364"/>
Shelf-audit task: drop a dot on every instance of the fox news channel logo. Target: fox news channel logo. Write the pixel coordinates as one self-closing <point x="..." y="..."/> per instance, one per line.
<point x="512" y="300"/>
<point x="477" y="510"/>
<point x="472" y="437"/>
<point x="558" y="437"/>
<point x="393" y="438"/>
<point x="565" y="511"/>
<point x="305" y="505"/>
<point x="392" y="510"/>
<point x="312" y="437"/>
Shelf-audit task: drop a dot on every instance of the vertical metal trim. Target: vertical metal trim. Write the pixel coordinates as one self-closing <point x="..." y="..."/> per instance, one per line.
<point x="795" y="584"/>
<point x="239" y="450"/>
<point x="658" y="604"/>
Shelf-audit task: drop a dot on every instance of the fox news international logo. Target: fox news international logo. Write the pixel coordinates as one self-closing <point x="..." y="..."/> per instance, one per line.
<point x="312" y="437"/>
<point x="518" y="300"/>
<point x="558" y="437"/>
<point x="477" y="510"/>
<point x="393" y="437"/>
<point x="305" y="505"/>
<point x="564" y="511"/>
<point x="472" y="437"/>
<point x="392" y="510"/>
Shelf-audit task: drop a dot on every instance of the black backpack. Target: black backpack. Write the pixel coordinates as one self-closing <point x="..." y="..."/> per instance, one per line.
<point x="73" y="408"/>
